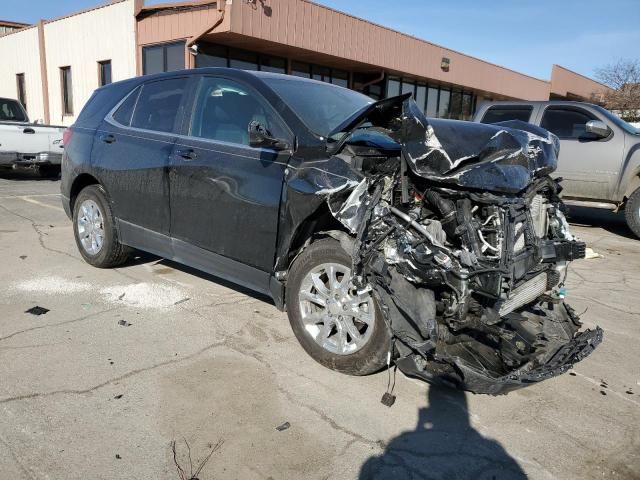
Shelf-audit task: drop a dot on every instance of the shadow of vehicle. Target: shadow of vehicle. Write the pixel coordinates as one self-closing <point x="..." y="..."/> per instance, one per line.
<point x="596" y="217"/>
<point x="29" y="174"/>
<point x="444" y="445"/>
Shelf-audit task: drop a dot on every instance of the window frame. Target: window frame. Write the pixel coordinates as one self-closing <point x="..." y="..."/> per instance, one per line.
<point x="66" y="91"/>
<point x="577" y="110"/>
<point x="189" y="117"/>
<point x="101" y="65"/>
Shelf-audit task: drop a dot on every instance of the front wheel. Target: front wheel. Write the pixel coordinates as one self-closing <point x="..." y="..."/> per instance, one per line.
<point x="338" y="327"/>
<point x="632" y="212"/>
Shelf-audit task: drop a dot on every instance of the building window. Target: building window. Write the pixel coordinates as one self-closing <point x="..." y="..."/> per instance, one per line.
<point x="104" y="73"/>
<point x="444" y="103"/>
<point x="163" y="58"/>
<point x="432" y="102"/>
<point x="393" y="87"/>
<point x="243" y="60"/>
<point x="300" y="69"/>
<point x="67" y="90"/>
<point x="455" y="107"/>
<point x="22" y="93"/>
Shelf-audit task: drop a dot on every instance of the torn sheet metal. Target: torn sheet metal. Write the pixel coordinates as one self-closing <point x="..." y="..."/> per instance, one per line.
<point x="459" y="232"/>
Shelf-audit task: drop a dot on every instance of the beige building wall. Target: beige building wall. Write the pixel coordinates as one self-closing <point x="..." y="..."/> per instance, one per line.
<point x="81" y="41"/>
<point x="19" y="52"/>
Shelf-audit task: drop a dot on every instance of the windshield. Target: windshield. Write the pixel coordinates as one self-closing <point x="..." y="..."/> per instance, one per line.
<point x="11" y="111"/>
<point x="618" y="121"/>
<point x="321" y="106"/>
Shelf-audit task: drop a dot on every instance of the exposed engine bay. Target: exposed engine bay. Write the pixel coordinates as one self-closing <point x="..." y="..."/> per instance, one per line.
<point x="461" y="236"/>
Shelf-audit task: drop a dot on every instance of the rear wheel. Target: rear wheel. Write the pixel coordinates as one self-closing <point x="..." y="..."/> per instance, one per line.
<point x="94" y="229"/>
<point x="632" y="212"/>
<point x="338" y="327"/>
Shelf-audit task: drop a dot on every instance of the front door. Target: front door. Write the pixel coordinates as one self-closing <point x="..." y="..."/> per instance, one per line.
<point x="588" y="165"/>
<point x="225" y="194"/>
<point x="131" y="153"/>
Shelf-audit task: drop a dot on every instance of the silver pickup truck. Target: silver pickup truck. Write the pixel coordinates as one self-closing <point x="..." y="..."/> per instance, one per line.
<point x="27" y="144"/>
<point x="599" y="152"/>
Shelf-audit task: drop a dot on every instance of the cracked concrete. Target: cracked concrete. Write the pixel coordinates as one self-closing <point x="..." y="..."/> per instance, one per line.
<point x="78" y="388"/>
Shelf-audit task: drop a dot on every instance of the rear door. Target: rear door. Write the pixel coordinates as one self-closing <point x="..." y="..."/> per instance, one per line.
<point x="131" y="154"/>
<point x="588" y="165"/>
<point x="225" y="194"/>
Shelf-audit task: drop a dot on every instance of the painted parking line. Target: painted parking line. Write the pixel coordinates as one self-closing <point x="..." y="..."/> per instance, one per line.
<point x="31" y="196"/>
<point x="36" y="202"/>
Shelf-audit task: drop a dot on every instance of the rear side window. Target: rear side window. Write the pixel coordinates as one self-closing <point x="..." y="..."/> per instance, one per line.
<point x="566" y="123"/>
<point x="505" y="113"/>
<point x="125" y="110"/>
<point x="158" y="105"/>
<point x="11" y="111"/>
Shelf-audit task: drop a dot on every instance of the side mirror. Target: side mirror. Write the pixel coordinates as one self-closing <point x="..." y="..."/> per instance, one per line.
<point x="259" y="136"/>
<point x="597" y="128"/>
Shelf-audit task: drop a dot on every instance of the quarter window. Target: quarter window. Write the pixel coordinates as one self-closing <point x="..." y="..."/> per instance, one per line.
<point x="158" y="105"/>
<point x="125" y="110"/>
<point x="224" y="109"/>
<point x="566" y="123"/>
<point x="505" y="113"/>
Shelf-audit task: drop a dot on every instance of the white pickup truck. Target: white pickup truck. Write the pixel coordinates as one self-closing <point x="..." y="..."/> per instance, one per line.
<point x="27" y="144"/>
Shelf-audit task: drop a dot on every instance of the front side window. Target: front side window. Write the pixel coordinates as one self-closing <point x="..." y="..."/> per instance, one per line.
<point x="506" y="113"/>
<point x="158" y="105"/>
<point x="11" y="111"/>
<point x="67" y="90"/>
<point x="225" y="108"/>
<point x="566" y="123"/>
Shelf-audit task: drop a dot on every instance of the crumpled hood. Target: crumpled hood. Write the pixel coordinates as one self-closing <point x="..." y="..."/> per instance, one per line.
<point x="503" y="157"/>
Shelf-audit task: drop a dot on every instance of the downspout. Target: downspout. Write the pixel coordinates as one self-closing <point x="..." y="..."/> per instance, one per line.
<point x="43" y="72"/>
<point x="221" y="10"/>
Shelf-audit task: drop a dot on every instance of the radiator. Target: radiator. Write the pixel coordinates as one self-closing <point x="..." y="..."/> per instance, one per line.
<point x="525" y="293"/>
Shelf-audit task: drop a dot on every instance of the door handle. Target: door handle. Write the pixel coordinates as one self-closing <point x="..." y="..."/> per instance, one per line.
<point x="186" y="154"/>
<point x="29" y="130"/>
<point x="108" y="138"/>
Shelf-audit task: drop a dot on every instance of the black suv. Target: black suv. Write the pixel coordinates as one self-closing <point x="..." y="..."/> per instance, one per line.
<point x="438" y="245"/>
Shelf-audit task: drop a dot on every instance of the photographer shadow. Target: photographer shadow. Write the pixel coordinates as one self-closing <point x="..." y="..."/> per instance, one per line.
<point x="444" y="445"/>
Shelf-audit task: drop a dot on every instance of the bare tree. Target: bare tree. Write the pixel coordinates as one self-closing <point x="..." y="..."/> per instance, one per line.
<point x="624" y="78"/>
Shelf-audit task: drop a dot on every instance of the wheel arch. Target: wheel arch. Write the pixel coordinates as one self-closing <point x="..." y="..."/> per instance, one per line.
<point x="80" y="182"/>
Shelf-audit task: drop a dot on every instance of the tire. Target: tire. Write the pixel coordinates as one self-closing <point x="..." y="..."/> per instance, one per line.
<point x="371" y="356"/>
<point x="632" y="212"/>
<point x="111" y="252"/>
<point x="49" y="171"/>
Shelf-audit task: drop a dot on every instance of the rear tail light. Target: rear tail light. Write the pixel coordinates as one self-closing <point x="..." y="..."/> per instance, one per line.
<point x="66" y="136"/>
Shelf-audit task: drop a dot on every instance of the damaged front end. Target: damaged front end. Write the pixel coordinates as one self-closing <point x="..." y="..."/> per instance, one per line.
<point x="461" y="236"/>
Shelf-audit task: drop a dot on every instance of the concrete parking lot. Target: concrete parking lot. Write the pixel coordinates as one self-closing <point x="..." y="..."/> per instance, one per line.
<point x="129" y="360"/>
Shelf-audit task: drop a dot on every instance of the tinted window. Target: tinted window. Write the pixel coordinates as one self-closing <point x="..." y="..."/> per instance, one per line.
<point x="163" y="58"/>
<point x="67" y="90"/>
<point x="502" y="114"/>
<point x="124" y="112"/>
<point x="443" y="105"/>
<point x="566" y="123"/>
<point x="105" y="72"/>
<point x="11" y="111"/>
<point x="158" y="104"/>
<point x="225" y="108"/>
<point x="432" y="102"/>
<point x="321" y="106"/>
